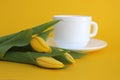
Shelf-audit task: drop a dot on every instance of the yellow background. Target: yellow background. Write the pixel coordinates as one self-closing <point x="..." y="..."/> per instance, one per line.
<point x="16" y="15"/>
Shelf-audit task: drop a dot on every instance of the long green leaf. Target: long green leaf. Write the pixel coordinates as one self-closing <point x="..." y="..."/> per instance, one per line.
<point x="39" y="29"/>
<point x="24" y="49"/>
<point x="20" y="39"/>
<point x="7" y="37"/>
<point x="20" y="57"/>
<point x="29" y="57"/>
<point x="36" y="30"/>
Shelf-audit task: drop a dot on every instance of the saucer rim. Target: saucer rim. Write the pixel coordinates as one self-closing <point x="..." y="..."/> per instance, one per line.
<point x="89" y="49"/>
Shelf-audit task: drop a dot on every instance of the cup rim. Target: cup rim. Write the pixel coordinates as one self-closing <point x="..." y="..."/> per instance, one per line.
<point x="73" y="17"/>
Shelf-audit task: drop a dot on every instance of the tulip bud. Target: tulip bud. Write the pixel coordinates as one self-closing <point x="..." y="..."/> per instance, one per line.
<point x="66" y="58"/>
<point x="39" y="45"/>
<point x="49" y="62"/>
<point x="70" y="58"/>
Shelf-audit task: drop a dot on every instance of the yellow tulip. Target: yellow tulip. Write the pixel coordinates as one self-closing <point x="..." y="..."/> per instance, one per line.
<point x="70" y="58"/>
<point x="39" y="45"/>
<point x="49" y="62"/>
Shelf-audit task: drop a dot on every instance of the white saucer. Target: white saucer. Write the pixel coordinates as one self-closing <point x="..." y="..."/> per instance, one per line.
<point x="93" y="45"/>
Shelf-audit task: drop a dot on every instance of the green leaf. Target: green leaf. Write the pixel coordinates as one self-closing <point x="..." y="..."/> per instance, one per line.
<point x="39" y="29"/>
<point x="19" y="39"/>
<point x="24" y="49"/>
<point x="20" y="57"/>
<point x="36" y="30"/>
<point x="3" y="38"/>
<point x="29" y="57"/>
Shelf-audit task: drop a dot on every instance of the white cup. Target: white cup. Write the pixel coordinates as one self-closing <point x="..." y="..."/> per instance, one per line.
<point x="74" y="32"/>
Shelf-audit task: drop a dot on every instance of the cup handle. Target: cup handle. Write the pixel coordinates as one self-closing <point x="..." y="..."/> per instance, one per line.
<point x="95" y="29"/>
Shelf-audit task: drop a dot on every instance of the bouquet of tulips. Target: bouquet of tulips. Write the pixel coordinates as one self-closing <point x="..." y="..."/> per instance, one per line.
<point x="29" y="46"/>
